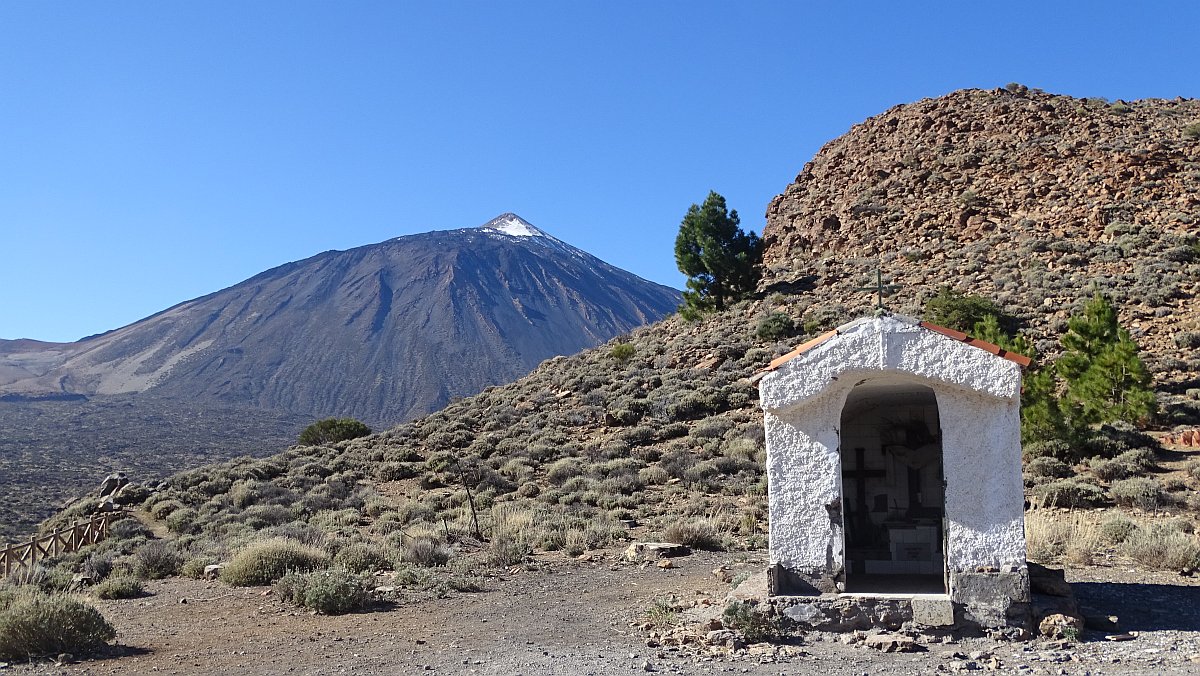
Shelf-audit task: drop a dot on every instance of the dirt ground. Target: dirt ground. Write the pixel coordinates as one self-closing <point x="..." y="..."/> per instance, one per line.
<point x="575" y="617"/>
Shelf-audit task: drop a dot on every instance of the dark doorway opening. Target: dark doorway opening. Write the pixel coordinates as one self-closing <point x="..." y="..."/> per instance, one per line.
<point x="893" y="489"/>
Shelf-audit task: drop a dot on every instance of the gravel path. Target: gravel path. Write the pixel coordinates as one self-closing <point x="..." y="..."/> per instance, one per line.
<point x="571" y="617"/>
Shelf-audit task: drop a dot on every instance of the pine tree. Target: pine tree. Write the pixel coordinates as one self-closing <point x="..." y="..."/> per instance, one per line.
<point x="1106" y="379"/>
<point x="1042" y="417"/>
<point x="989" y="329"/>
<point x="720" y="259"/>
<point x="1087" y="335"/>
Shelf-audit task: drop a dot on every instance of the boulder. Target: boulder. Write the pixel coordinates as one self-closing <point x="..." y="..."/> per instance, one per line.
<point x="652" y="551"/>
<point x="1061" y="626"/>
<point x="112" y="483"/>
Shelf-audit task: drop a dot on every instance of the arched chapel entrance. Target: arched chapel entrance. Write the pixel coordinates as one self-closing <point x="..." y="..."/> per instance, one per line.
<point x="893" y="488"/>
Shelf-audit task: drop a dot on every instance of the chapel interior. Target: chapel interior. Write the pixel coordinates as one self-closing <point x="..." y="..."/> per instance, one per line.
<point x="893" y="488"/>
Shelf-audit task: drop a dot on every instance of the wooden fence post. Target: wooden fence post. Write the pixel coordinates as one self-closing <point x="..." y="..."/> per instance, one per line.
<point x="63" y="541"/>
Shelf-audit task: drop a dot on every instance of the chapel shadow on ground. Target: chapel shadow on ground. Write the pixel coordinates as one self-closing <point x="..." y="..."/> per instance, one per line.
<point x="1142" y="607"/>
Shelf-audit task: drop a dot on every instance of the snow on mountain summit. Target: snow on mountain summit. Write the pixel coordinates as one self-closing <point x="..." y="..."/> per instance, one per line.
<point x="512" y="224"/>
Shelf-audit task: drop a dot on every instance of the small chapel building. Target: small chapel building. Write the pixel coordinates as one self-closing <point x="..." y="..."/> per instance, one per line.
<point x="894" y="471"/>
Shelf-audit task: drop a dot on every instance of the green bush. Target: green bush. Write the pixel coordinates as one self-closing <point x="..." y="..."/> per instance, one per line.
<point x="955" y="310"/>
<point x="332" y="430"/>
<point x="754" y="625"/>
<point x="33" y="624"/>
<point x="622" y="352"/>
<point x="775" y="326"/>
<point x="119" y="588"/>
<point x="329" y="592"/>
<point x="1192" y="131"/>
<point x="265" y="561"/>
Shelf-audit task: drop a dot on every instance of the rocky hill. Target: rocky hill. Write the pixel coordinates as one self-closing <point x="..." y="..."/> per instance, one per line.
<point x="1028" y="198"/>
<point x="383" y="332"/>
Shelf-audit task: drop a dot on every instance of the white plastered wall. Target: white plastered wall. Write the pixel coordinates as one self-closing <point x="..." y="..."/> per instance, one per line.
<point x="978" y="396"/>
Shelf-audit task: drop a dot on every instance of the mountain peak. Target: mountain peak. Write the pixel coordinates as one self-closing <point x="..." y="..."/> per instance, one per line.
<point x="513" y="225"/>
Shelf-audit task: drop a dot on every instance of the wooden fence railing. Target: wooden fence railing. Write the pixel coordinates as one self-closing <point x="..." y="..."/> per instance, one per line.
<point x="50" y="545"/>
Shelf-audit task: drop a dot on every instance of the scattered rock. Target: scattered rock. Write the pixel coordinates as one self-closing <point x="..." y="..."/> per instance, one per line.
<point x="891" y="643"/>
<point x="213" y="571"/>
<point x="723" y="637"/>
<point x="1061" y="626"/>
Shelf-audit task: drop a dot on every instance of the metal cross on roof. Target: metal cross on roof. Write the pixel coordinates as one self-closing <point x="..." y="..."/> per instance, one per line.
<point x="880" y="288"/>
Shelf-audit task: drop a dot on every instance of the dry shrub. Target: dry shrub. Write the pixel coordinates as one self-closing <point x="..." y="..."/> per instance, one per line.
<point x="1048" y="467"/>
<point x="119" y="588"/>
<point x="361" y="557"/>
<point x="1083" y="543"/>
<point x="155" y="560"/>
<point x="33" y="623"/>
<point x="700" y="533"/>
<point x="575" y="542"/>
<point x="1163" y="549"/>
<point x="1068" y="493"/>
<point x="266" y="561"/>
<point x="1193" y="469"/>
<point x="329" y="592"/>
<point x="1117" y="528"/>
<point x="162" y="510"/>
<point x="425" y="551"/>
<point x="654" y="475"/>
<point x="1142" y="492"/>
<point x="1046" y="537"/>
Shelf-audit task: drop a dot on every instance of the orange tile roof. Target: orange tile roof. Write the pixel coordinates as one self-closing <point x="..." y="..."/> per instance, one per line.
<point x="800" y="349"/>
<point x="1019" y="359"/>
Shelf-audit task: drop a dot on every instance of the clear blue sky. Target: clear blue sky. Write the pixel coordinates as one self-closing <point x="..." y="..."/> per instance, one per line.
<point x="152" y="152"/>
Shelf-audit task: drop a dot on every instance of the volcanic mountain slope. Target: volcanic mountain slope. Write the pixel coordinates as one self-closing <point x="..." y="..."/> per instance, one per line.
<point x="1028" y="198"/>
<point x="382" y="332"/>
